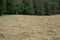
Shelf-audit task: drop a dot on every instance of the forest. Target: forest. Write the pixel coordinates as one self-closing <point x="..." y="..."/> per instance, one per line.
<point x="30" y="7"/>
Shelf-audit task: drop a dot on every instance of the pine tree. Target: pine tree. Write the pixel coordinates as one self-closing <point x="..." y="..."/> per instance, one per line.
<point x="59" y="6"/>
<point x="32" y="7"/>
<point x="28" y="7"/>
<point x="17" y="6"/>
<point x="53" y="8"/>
<point x="14" y="6"/>
<point x="2" y="7"/>
<point x="39" y="7"/>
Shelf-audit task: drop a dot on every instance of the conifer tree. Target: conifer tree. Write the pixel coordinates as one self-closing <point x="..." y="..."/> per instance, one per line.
<point x="39" y="7"/>
<point x="28" y="7"/>
<point x="14" y="6"/>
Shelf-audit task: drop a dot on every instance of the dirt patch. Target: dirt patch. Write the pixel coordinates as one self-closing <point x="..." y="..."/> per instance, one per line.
<point x="21" y="27"/>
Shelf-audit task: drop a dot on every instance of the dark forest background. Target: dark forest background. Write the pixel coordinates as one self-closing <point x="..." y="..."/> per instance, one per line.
<point x="30" y="7"/>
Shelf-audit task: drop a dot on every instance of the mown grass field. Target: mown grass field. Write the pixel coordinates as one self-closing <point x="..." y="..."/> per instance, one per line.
<point x="24" y="27"/>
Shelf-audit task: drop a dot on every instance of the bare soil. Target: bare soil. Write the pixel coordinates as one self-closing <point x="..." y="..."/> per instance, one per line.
<point x="24" y="27"/>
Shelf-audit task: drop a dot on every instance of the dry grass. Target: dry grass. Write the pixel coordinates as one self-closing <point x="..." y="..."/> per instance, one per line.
<point x="19" y="27"/>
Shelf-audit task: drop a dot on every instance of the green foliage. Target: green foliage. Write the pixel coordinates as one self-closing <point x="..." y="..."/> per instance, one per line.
<point x="38" y="7"/>
<point x="13" y="6"/>
<point x="30" y="7"/>
<point x="2" y="7"/>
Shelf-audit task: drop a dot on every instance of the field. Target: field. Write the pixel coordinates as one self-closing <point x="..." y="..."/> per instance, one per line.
<point x="24" y="27"/>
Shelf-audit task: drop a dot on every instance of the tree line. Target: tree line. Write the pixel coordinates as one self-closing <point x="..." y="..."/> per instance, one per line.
<point x="30" y="7"/>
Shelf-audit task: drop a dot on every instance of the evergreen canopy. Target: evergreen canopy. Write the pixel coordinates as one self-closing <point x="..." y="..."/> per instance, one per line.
<point x="30" y="7"/>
